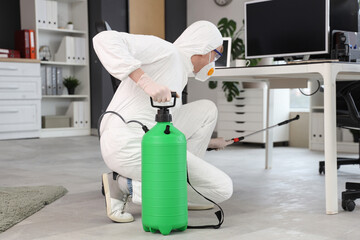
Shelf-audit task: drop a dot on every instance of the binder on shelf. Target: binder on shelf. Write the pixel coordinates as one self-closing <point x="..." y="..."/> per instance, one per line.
<point x="83" y="51"/>
<point x="40" y="6"/>
<point x="32" y="44"/>
<point x="43" y="79"/>
<point x="81" y="114"/>
<point x="51" y="14"/>
<point x="73" y="113"/>
<point x="86" y="115"/>
<point x="48" y="80"/>
<point x="22" y="43"/>
<point x="78" y="53"/>
<point x="54" y="13"/>
<point x="53" y="81"/>
<point x="59" y="81"/>
<point x="66" y="51"/>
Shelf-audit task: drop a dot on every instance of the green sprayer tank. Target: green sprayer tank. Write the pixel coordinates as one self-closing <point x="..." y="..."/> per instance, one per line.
<point x="164" y="186"/>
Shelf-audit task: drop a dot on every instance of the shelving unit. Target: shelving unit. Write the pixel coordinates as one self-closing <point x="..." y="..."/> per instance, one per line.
<point x="67" y="10"/>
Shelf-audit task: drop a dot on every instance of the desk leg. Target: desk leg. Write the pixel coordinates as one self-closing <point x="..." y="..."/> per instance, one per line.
<point x="329" y="77"/>
<point x="269" y="133"/>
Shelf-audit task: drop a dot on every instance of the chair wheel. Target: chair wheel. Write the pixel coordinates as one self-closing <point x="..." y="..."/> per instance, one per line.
<point x="348" y="205"/>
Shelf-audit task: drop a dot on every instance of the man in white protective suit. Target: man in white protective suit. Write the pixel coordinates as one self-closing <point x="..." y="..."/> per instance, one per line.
<point x="152" y="67"/>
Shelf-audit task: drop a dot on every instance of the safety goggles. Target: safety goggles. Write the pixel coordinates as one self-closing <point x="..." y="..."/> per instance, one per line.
<point x="217" y="55"/>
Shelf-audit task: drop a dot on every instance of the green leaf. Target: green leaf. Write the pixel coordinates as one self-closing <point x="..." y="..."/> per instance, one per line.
<point x="231" y="90"/>
<point x="212" y="84"/>
<point x="237" y="48"/>
<point x="227" y="27"/>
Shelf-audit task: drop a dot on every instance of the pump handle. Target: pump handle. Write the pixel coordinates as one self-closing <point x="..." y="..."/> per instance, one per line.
<point x="173" y="95"/>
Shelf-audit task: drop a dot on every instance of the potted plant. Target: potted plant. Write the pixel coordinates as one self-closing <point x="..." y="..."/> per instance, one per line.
<point x="71" y="83"/>
<point x="70" y="25"/>
<point x="227" y="28"/>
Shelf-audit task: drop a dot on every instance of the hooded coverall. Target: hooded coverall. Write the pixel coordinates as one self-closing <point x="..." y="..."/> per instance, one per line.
<point x="167" y="64"/>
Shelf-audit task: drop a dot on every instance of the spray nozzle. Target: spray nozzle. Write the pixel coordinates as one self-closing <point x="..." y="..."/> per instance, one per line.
<point x="163" y="114"/>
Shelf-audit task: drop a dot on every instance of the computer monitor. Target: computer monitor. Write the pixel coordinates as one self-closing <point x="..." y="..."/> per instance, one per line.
<point x="225" y="60"/>
<point x="280" y="28"/>
<point x="344" y="15"/>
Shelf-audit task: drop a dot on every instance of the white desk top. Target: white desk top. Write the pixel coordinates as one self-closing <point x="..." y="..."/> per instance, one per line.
<point x="299" y="73"/>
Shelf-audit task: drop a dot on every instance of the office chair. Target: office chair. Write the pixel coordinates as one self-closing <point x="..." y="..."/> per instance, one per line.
<point x="347" y="116"/>
<point x="104" y="26"/>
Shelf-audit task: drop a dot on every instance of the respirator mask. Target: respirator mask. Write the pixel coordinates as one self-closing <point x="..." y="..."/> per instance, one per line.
<point x="206" y="72"/>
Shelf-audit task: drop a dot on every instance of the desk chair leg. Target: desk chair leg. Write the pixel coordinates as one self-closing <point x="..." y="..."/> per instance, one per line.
<point x="322" y="167"/>
<point x="350" y="195"/>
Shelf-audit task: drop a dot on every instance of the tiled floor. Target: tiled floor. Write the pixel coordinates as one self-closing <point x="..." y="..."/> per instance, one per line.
<point x="286" y="202"/>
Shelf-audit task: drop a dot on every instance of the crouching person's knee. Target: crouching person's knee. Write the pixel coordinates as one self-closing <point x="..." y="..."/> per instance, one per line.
<point x="225" y="191"/>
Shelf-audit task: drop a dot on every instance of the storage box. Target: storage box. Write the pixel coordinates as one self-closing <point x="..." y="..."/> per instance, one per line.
<point x="55" y="121"/>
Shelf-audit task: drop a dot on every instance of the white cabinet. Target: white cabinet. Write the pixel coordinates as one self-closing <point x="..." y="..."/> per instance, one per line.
<point x="317" y="131"/>
<point x="61" y="12"/>
<point x="247" y="114"/>
<point x="20" y="98"/>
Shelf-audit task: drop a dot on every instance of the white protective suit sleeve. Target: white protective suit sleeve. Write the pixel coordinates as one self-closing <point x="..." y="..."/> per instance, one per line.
<point x="114" y="45"/>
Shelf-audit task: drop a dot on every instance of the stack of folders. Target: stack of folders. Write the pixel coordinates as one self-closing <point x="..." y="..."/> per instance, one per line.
<point x="79" y="113"/>
<point x="72" y="50"/>
<point x="51" y="80"/>
<point x="25" y="43"/>
<point x="46" y="13"/>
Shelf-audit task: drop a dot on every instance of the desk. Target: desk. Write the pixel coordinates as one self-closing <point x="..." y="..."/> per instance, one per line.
<point x="294" y="76"/>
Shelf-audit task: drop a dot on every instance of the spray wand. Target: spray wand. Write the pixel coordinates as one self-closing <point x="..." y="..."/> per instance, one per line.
<point x="238" y="139"/>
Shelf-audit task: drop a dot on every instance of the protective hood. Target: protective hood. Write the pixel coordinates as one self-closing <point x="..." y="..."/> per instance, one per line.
<point x="199" y="38"/>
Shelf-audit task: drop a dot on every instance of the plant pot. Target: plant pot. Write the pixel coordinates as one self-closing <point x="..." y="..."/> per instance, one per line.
<point x="70" y="26"/>
<point x="71" y="91"/>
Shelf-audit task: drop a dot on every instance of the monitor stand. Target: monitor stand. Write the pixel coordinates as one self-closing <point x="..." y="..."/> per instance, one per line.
<point x="291" y="59"/>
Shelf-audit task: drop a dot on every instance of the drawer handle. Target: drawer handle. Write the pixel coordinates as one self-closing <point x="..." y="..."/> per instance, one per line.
<point x="239" y="98"/>
<point x="239" y="131"/>
<point x="9" y="111"/>
<point x="239" y="113"/>
<point x="240" y="105"/>
<point x="10" y="87"/>
<point x="9" y="68"/>
<point x="239" y="122"/>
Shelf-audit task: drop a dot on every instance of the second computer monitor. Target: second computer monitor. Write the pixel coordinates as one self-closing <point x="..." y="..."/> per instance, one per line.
<point x="224" y="61"/>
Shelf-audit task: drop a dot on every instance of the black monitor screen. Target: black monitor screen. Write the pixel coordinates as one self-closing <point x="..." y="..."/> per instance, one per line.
<point x="344" y="15"/>
<point x="286" y="27"/>
<point x="225" y="59"/>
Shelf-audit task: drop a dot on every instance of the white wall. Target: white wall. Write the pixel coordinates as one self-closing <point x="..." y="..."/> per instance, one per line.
<point x="208" y="10"/>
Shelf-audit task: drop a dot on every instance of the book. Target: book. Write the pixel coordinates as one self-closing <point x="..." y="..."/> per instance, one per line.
<point x="2" y="50"/>
<point x="9" y="53"/>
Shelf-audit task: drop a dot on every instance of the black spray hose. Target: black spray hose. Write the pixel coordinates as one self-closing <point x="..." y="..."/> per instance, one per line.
<point x="117" y="114"/>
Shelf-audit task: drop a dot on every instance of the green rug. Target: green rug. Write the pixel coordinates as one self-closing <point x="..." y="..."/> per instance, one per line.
<point x="18" y="203"/>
